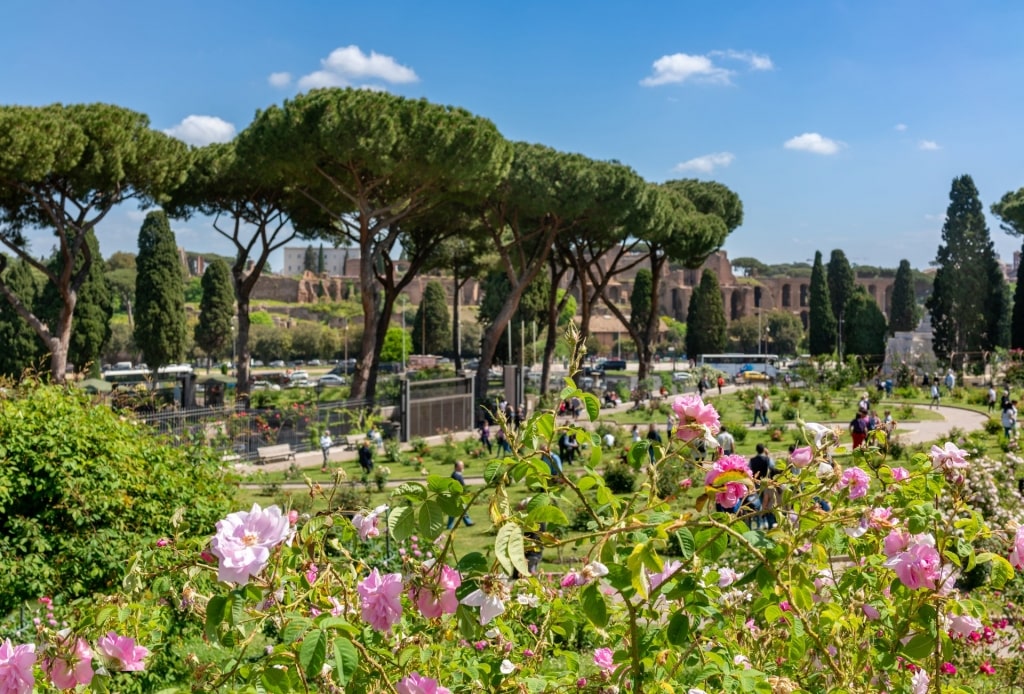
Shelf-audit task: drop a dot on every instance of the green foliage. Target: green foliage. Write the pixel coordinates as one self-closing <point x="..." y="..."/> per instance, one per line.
<point x="397" y="344"/>
<point x="194" y="290"/>
<point x="84" y="488"/>
<point x="640" y="301"/>
<point x="21" y="347"/>
<point x="268" y="342"/>
<point x="821" y="335"/>
<point x="841" y="282"/>
<point x="785" y="333"/>
<point x="865" y="333"/>
<point x="432" y="317"/>
<point x="705" y="319"/>
<point x="905" y="314"/>
<point x="213" y="332"/>
<point x="969" y="299"/>
<point x="620" y="478"/>
<point x="159" y="294"/>
<point x="260" y="318"/>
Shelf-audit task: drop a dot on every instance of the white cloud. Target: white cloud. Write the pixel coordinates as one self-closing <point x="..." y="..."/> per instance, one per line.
<point x="928" y="145"/>
<point x="279" y="79"/>
<point x="900" y="127"/>
<point x="202" y="130"/>
<point x="682" y="67"/>
<point x="754" y="60"/>
<point x="348" y="65"/>
<point x="813" y="142"/>
<point x="706" y="163"/>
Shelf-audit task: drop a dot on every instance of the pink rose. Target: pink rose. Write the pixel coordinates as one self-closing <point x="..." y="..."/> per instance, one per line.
<point x="434" y="601"/>
<point x="964" y="625"/>
<point x="857" y="480"/>
<point x="918" y="565"/>
<point x="67" y="670"/>
<point x="603" y="660"/>
<point x="244" y="540"/>
<point x="1017" y="553"/>
<point x="801" y="457"/>
<point x="899" y="474"/>
<point x="949" y="457"/>
<point x="695" y="418"/>
<point x="367" y="524"/>
<point x="16" y="676"/>
<point x="895" y="542"/>
<point x="730" y="492"/>
<point x="415" y="683"/>
<point x="381" y="600"/>
<point x="121" y="653"/>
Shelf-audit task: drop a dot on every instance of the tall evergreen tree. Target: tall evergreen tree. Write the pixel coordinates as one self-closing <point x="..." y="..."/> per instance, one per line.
<point x="309" y="260"/>
<point x="969" y="299"/>
<point x="841" y="282"/>
<point x="432" y="330"/>
<point x="159" y="294"/>
<point x="904" y="313"/>
<point x="821" y="334"/>
<point x="706" y="331"/>
<point x="320" y="260"/>
<point x="90" y="326"/>
<point x="1010" y="210"/>
<point x="866" y="331"/>
<point x="22" y="349"/>
<point x="640" y="300"/>
<point x="213" y="332"/>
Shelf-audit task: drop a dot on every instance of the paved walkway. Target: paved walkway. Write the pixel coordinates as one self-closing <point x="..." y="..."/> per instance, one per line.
<point x="924" y="431"/>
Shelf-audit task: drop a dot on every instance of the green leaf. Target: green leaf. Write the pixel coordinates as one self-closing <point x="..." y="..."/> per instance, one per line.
<point x="509" y="549"/>
<point x="473" y="563"/>
<point x="294" y="629"/>
<point x="548" y="514"/>
<point x="276" y="680"/>
<point x="438" y="484"/>
<point x="686" y="543"/>
<point x="215" y="610"/>
<point x="346" y="661"/>
<point x="546" y="426"/>
<point x="920" y="647"/>
<point x="594" y="605"/>
<point x="401" y="522"/>
<point x="432" y="520"/>
<point x="1001" y="572"/>
<point x="678" y="632"/>
<point x="313" y="653"/>
<point x="493" y="471"/>
<point x="412" y="490"/>
<point x="593" y="406"/>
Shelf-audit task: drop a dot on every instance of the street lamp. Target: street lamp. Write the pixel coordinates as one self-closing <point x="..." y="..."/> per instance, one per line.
<point x="672" y="351"/>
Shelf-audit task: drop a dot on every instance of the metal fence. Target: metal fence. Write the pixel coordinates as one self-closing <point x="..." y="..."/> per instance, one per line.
<point x="429" y="408"/>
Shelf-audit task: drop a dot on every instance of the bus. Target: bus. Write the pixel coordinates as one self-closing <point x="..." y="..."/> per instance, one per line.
<point x="175" y="385"/>
<point x="735" y="364"/>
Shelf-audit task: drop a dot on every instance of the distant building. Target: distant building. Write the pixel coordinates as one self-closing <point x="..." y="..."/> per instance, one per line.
<point x="338" y="262"/>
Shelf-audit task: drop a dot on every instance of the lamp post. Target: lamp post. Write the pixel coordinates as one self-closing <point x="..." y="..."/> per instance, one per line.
<point x="759" y="333"/>
<point x="672" y="351"/>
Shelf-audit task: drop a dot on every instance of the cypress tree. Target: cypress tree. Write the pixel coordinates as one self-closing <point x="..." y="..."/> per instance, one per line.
<point x="841" y="282"/>
<point x="866" y="331"/>
<point x="159" y="294"/>
<point x="216" y="310"/>
<point x="1010" y="210"/>
<point x="21" y="347"/>
<point x="969" y="299"/>
<point x="90" y="325"/>
<point x="904" y="313"/>
<point x="320" y="261"/>
<point x="821" y="334"/>
<point x="706" y="330"/>
<point x="309" y="260"/>
<point x="432" y="330"/>
<point x="640" y="300"/>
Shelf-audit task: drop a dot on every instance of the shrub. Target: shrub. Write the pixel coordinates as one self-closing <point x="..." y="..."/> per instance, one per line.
<point x="737" y="429"/>
<point x="670" y="473"/>
<point x="993" y="427"/>
<point x="789" y="413"/>
<point x="620" y="478"/>
<point x="83" y="488"/>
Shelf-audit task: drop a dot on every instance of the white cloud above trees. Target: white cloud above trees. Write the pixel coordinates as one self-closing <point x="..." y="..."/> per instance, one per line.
<point x="814" y="143"/>
<point x="683" y="67"/>
<point x="706" y="163"/>
<point x="202" y="130"/>
<point x="349" y="66"/>
<point x="279" y="79"/>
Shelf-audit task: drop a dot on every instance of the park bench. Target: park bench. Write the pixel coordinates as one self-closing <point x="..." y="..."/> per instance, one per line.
<point x="346" y="443"/>
<point x="279" y="452"/>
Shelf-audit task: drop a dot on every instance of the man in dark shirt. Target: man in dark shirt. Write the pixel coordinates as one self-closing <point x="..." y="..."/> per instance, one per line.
<point x="366" y="457"/>
<point x="457" y="476"/>
<point x="762" y="468"/>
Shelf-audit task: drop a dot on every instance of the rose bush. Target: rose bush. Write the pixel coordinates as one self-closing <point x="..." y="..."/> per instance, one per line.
<point x="862" y="597"/>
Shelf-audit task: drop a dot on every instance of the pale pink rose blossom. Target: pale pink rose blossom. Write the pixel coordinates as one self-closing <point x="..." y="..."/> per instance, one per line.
<point x="490" y="597"/>
<point x="603" y="660"/>
<point x="726" y="577"/>
<point x="416" y="683"/>
<point x="949" y="457"/>
<point x="436" y="600"/>
<point x="244" y="540"/>
<point x="900" y="474"/>
<point x="880" y="518"/>
<point x="121" y="653"/>
<point x="1017" y="553"/>
<point x="72" y="668"/>
<point x="920" y="681"/>
<point x="857" y="480"/>
<point x="918" y="565"/>
<point x="822" y="434"/>
<point x="696" y="419"/>
<point x="895" y="542"/>
<point x="731" y="492"/>
<point x="963" y="624"/>
<point x="870" y="611"/>
<point x="801" y="457"/>
<point x="381" y="600"/>
<point x="657" y="578"/>
<point x="16" y="676"/>
<point x="367" y="525"/>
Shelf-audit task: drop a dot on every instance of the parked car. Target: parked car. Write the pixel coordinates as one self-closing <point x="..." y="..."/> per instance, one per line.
<point x="331" y="381"/>
<point x="277" y="363"/>
<point x="257" y="362"/>
<point x="681" y="377"/>
<point x="314" y="362"/>
<point x="298" y="376"/>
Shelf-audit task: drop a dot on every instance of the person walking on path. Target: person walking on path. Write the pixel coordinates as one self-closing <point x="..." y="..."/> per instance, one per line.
<point x="990" y="398"/>
<point x="950" y="382"/>
<point x="720" y="382"/>
<point x="1009" y="420"/>
<point x="936" y="395"/>
<point x="504" y="447"/>
<point x="458" y="477"/>
<point x="653" y="437"/>
<point x="758" y="409"/>
<point x="325" y="448"/>
<point x="859" y="428"/>
<point x="366" y="457"/>
<point x="766" y="406"/>
<point x="726" y="442"/>
<point x="485" y="436"/>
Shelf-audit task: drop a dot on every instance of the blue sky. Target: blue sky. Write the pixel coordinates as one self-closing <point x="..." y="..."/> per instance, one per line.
<point x="840" y="124"/>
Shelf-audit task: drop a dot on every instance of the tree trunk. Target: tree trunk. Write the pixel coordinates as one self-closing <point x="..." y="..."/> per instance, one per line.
<point x="364" y="381"/>
<point x="456" y="324"/>
<point x="645" y="347"/>
<point x="242" y="351"/>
